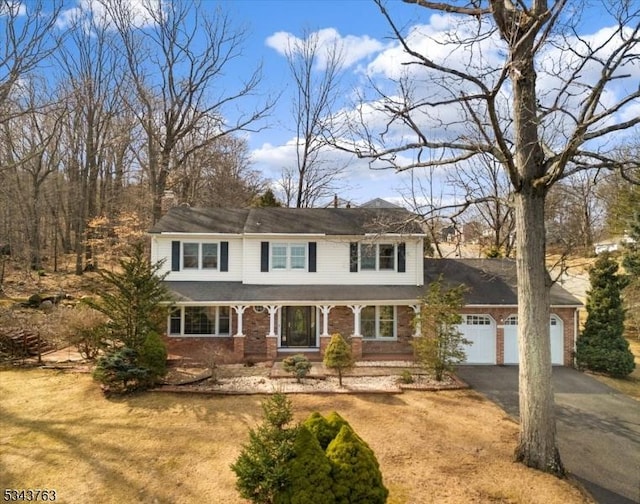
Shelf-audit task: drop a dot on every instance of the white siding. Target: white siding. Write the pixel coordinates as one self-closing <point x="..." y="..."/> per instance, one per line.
<point x="161" y="249"/>
<point x="332" y="265"/>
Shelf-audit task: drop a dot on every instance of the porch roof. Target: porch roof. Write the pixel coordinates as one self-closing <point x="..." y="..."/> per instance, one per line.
<point x="490" y="282"/>
<point x="237" y="292"/>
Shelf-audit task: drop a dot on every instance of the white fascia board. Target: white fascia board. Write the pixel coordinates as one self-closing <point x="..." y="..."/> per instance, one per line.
<point x="297" y="302"/>
<point x="280" y="235"/>
<point x="198" y="235"/>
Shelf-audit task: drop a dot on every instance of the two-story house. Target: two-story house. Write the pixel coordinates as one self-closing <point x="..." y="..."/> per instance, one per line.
<point x="258" y="283"/>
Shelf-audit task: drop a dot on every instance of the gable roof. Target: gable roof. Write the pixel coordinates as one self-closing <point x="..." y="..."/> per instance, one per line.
<point x="327" y="221"/>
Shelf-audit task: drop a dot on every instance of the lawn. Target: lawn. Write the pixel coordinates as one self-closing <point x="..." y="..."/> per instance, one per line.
<point x="58" y="432"/>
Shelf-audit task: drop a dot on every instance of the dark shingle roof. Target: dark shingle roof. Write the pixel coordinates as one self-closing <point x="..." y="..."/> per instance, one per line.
<point x="490" y="282"/>
<point x="329" y="221"/>
<point x="202" y="220"/>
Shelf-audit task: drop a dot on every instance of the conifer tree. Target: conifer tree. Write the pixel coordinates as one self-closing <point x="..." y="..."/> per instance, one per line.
<point x="602" y="347"/>
<point x="355" y="470"/>
<point x="338" y="355"/>
<point x="631" y="264"/>
<point x="262" y="468"/>
<point x="309" y="473"/>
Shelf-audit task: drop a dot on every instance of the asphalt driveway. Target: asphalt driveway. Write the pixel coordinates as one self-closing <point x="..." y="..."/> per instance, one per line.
<point x="598" y="427"/>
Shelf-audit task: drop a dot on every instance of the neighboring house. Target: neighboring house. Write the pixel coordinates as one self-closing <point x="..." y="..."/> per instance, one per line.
<point x="613" y="244"/>
<point x="258" y="283"/>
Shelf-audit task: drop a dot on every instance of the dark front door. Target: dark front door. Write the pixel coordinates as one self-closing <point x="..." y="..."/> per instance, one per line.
<point x="299" y="326"/>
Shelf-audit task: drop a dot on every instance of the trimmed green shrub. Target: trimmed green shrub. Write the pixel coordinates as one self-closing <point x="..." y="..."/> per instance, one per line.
<point x="298" y="365"/>
<point x="310" y="479"/>
<point x="153" y="356"/>
<point x="325" y="429"/>
<point x="338" y="355"/>
<point x="355" y="470"/>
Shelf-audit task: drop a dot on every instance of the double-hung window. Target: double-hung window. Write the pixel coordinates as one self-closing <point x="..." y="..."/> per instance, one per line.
<point x="288" y="256"/>
<point x="199" y="255"/>
<point x="377" y="256"/>
<point x="378" y="322"/>
<point x="200" y="321"/>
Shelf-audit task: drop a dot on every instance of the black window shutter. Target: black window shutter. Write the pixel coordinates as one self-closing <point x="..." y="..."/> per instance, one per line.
<point x="224" y="256"/>
<point x="175" y="256"/>
<point x="402" y="258"/>
<point x="264" y="256"/>
<point x="312" y="257"/>
<point x="353" y="257"/>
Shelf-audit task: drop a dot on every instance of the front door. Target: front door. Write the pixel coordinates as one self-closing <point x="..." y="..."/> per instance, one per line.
<point x="298" y="326"/>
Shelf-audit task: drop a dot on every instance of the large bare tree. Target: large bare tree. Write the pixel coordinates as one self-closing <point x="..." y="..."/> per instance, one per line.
<point x="545" y="102"/>
<point x="177" y="57"/>
<point x="93" y="88"/>
<point x="27" y="38"/>
<point x="315" y="66"/>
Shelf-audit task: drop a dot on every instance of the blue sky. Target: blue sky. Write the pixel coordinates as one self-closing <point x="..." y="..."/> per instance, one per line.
<point x="361" y="28"/>
<point x="361" y="23"/>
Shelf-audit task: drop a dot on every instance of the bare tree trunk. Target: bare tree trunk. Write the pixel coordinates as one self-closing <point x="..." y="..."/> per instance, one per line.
<point x="537" y="444"/>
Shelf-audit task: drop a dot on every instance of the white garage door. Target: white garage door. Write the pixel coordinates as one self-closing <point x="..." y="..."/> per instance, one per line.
<point x="511" y="355"/>
<point x="481" y="331"/>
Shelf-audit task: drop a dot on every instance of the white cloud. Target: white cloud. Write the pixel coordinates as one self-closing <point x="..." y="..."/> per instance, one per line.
<point x="141" y="13"/>
<point x="13" y="8"/>
<point x="354" y="48"/>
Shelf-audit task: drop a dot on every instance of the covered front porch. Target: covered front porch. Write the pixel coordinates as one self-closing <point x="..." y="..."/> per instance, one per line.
<point x="240" y="333"/>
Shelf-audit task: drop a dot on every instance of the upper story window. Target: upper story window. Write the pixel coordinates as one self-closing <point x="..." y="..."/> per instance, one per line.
<point x="288" y="256"/>
<point x="199" y="255"/>
<point x="378" y="257"/>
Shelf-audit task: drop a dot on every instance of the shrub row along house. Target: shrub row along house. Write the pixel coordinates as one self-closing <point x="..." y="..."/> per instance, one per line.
<point x="259" y="283"/>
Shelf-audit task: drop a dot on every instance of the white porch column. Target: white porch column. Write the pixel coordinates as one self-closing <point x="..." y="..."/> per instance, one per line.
<point x="417" y="327"/>
<point x="325" y="309"/>
<point x="356" y="309"/>
<point x="273" y="310"/>
<point x="239" y="309"/>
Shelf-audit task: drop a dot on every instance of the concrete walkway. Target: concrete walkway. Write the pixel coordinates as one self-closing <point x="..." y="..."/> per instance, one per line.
<point x="598" y="427"/>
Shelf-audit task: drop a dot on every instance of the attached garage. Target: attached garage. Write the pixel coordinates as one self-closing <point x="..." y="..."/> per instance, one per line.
<point x="481" y="331"/>
<point x="511" y="354"/>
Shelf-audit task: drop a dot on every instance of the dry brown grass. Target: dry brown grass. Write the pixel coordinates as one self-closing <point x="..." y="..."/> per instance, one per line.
<point x="57" y="431"/>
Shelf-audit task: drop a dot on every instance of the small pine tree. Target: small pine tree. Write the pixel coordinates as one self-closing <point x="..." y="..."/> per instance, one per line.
<point x="355" y="470"/>
<point x="338" y="355"/>
<point x="132" y="299"/>
<point x="310" y="479"/>
<point x="119" y="371"/>
<point x="631" y="264"/>
<point x="297" y="364"/>
<point x="601" y="347"/>
<point x="262" y="468"/>
<point x="440" y="345"/>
